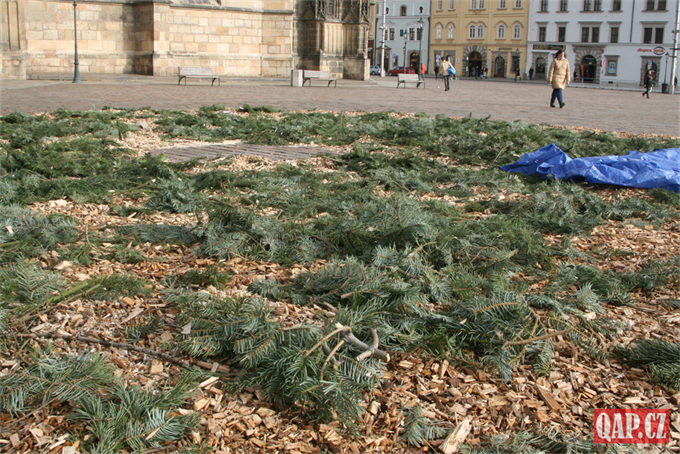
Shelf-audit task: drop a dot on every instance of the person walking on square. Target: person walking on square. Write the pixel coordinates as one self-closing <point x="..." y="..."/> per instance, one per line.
<point x="436" y="71"/>
<point x="531" y="73"/>
<point x="444" y="68"/>
<point x="649" y="82"/>
<point x="559" y="77"/>
<point x="422" y="71"/>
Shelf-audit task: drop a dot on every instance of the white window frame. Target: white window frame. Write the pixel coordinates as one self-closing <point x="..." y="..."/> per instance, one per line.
<point x="517" y="32"/>
<point x="481" y="4"/>
<point x="480" y="31"/>
<point x="452" y="5"/>
<point x="473" y="4"/>
<point x="501" y="31"/>
<point x="438" y="31"/>
<point x="440" y="5"/>
<point x="501" y="4"/>
<point x="472" y="31"/>
<point x="449" y="33"/>
<point x="518" y="3"/>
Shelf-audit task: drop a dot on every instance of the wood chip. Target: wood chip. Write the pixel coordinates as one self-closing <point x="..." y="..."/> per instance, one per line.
<point x="547" y="397"/>
<point x="456" y="437"/>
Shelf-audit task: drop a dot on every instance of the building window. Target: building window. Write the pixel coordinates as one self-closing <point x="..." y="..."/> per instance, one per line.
<point x="403" y="11"/>
<point x="516" y="32"/>
<point x="387" y="11"/>
<point x="440" y="5"/>
<point x="662" y="5"/>
<point x="595" y="35"/>
<point x="561" y="34"/>
<point x="450" y="31"/>
<point x="420" y="10"/>
<point x="616" y="5"/>
<point x="597" y="5"/>
<point x="501" y="31"/>
<point x="563" y="5"/>
<point x="480" y="31"/>
<point x="544" y="6"/>
<point x="473" y="4"/>
<point x="481" y="4"/>
<point x="650" y="5"/>
<point x="420" y="34"/>
<point x="541" y="34"/>
<point x="391" y="34"/>
<point x="518" y="3"/>
<point x="658" y="38"/>
<point x="587" y="5"/>
<point x="438" y="32"/>
<point x="585" y="34"/>
<point x="472" y="32"/>
<point x="648" y="36"/>
<point x="452" y="4"/>
<point x="411" y="34"/>
<point x="501" y="4"/>
<point x="614" y="35"/>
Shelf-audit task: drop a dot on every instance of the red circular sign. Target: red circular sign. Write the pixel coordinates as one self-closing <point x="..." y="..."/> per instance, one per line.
<point x="659" y="50"/>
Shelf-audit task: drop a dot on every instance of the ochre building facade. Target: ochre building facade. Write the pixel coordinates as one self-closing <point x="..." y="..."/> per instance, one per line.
<point x="155" y="37"/>
<point x="479" y="35"/>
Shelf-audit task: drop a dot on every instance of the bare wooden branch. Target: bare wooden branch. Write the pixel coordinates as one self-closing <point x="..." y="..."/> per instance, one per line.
<point x="328" y="358"/>
<point x="368" y="351"/>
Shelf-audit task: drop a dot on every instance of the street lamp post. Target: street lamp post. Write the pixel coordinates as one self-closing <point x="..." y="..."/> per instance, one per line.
<point x="405" y="43"/>
<point x="420" y="49"/>
<point x="383" y="29"/>
<point x="76" y="64"/>
<point x="665" y="80"/>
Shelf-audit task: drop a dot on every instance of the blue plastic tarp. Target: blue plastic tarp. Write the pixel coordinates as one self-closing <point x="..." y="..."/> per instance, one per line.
<point x="656" y="169"/>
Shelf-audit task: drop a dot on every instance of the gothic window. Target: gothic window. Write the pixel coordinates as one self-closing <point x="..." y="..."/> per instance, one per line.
<point x="450" y="31"/>
<point x="501" y="31"/>
<point x="516" y="32"/>
<point x="472" y="31"/>
<point x="438" y="31"/>
<point x="480" y="31"/>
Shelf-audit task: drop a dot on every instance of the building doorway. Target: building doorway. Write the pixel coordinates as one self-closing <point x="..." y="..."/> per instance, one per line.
<point x="589" y="68"/>
<point x="474" y="64"/>
<point x="499" y="67"/>
<point x="540" y="68"/>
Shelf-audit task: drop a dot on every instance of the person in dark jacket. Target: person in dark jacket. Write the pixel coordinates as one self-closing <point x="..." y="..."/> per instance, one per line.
<point x="531" y="73"/>
<point x="649" y="82"/>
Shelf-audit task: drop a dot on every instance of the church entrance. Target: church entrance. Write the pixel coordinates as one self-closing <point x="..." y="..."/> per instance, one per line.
<point x="474" y="64"/>
<point x="589" y="68"/>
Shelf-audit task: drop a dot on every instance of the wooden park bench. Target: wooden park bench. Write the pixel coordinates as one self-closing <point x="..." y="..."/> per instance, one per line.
<point x="409" y="79"/>
<point x="308" y="75"/>
<point x="186" y="72"/>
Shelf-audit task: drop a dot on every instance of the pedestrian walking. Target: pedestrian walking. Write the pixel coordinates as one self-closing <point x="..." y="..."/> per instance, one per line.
<point x="422" y="71"/>
<point x="649" y="83"/>
<point x="444" y="68"/>
<point x="436" y="72"/>
<point x="531" y="73"/>
<point x="559" y="77"/>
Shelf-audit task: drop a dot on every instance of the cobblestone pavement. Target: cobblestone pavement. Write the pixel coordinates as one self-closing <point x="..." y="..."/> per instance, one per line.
<point x="610" y="110"/>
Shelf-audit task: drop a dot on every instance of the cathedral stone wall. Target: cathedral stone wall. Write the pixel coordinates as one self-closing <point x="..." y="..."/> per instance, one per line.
<point x="235" y="38"/>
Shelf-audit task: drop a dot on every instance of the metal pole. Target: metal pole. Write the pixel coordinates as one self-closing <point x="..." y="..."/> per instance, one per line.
<point x="382" y="48"/>
<point x="404" y="64"/>
<point x="76" y="64"/>
<point x="420" y="49"/>
<point x="665" y="73"/>
<point x="674" y="57"/>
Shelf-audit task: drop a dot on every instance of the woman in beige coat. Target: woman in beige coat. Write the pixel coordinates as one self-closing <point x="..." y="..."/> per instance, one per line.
<point x="559" y="77"/>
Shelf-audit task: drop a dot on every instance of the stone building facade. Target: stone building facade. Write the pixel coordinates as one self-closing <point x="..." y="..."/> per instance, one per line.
<point x="255" y="38"/>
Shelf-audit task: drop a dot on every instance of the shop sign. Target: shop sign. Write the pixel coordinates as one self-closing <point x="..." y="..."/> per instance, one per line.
<point x="548" y="47"/>
<point x="505" y="48"/>
<point x="656" y="51"/>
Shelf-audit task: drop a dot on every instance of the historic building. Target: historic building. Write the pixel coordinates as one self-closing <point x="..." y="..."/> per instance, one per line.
<point x="610" y="42"/>
<point x="479" y="35"/>
<point x="253" y="38"/>
<point x="405" y="33"/>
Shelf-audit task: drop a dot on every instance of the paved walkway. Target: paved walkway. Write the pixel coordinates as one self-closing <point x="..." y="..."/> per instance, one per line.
<point x="609" y="110"/>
